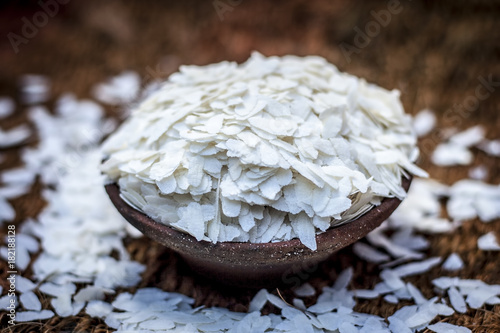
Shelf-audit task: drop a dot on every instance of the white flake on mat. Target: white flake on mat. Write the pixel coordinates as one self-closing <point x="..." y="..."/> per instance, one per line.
<point x="7" y="212"/>
<point x="473" y="198"/>
<point x="479" y="172"/>
<point x="23" y="284"/>
<point x="25" y="316"/>
<point x="416" y="267"/>
<point x="488" y="242"/>
<point x="448" y="328"/>
<point x="14" y="136"/>
<point x="91" y="293"/>
<point x="366" y="294"/>
<point x="7" y="106"/>
<point x="424" y="122"/>
<point x="457" y="300"/>
<point x="377" y="238"/>
<point x="30" y="301"/>
<point x="34" y="88"/>
<point x="453" y="262"/>
<point x="98" y="309"/>
<point x="25" y="245"/>
<point x="342" y="298"/>
<point x="456" y="150"/>
<point x="449" y="154"/>
<point x="6" y="301"/>
<point x="421" y="210"/>
<point x="305" y="290"/>
<point x="368" y="253"/>
<point x="120" y="89"/>
<point x="490" y="147"/>
<point x="20" y="177"/>
<point x="470" y="137"/>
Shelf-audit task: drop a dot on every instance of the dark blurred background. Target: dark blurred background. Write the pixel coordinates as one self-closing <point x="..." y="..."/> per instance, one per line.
<point x="435" y="52"/>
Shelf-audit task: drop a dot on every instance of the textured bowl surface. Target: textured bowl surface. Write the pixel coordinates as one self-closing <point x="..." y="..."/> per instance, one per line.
<point x="255" y="265"/>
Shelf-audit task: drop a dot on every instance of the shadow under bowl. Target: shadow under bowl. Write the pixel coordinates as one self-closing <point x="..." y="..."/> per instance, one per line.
<point x="255" y="265"/>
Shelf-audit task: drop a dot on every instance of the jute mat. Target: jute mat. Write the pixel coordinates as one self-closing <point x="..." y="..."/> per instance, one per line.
<point x="434" y="52"/>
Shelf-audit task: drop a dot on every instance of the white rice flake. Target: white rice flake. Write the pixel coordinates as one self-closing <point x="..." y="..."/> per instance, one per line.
<point x="456" y="150"/>
<point x="424" y="122"/>
<point x="314" y="181"/>
<point x="449" y="154"/>
<point x="453" y="262"/>
<point x="14" y="136"/>
<point x="490" y="147"/>
<point x="448" y="328"/>
<point x="98" y="309"/>
<point x="305" y="290"/>
<point x="416" y="267"/>
<point x="479" y="172"/>
<point x="488" y="242"/>
<point x="30" y="301"/>
<point x="34" y="88"/>
<point x="368" y="253"/>
<point x="120" y="89"/>
<point x="24" y="316"/>
<point x="469" y="137"/>
<point x="7" y="106"/>
<point x="474" y="198"/>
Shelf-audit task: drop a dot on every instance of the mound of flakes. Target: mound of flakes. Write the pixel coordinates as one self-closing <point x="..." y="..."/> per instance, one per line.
<point x="269" y="150"/>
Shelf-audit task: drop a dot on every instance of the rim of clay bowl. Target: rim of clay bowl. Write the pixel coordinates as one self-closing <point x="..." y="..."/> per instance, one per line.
<point x="254" y="264"/>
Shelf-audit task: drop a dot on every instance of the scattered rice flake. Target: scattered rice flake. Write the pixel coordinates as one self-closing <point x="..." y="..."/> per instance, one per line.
<point x="14" y="136"/>
<point x="7" y="106"/>
<point x="457" y="300"/>
<point x="474" y="198"/>
<point x="366" y="293"/>
<point x="368" y="253"/>
<point x="490" y="147"/>
<point x="448" y="328"/>
<point x="450" y="154"/>
<point x="30" y="301"/>
<point x="98" y="309"/>
<point x="34" y="88"/>
<point x="453" y="262"/>
<point x="470" y="137"/>
<point x="305" y="290"/>
<point x="24" y="285"/>
<point x="263" y="147"/>
<point x="120" y="89"/>
<point x="24" y="316"/>
<point x="424" y="122"/>
<point x="488" y="242"/>
<point x="258" y="301"/>
<point x="343" y="279"/>
<point x="478" y="173"/>
<point x="7" y="212"/>
<point x="416" y="267"/>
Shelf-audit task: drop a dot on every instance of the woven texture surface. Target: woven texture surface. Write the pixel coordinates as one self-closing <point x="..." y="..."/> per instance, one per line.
<point x="433" y="52"/>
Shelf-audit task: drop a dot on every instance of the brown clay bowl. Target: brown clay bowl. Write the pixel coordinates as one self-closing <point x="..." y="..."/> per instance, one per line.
<point x="256" y="265"/>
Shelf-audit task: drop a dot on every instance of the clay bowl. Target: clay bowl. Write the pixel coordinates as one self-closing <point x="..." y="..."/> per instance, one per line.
<point x="255" y="265"/>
